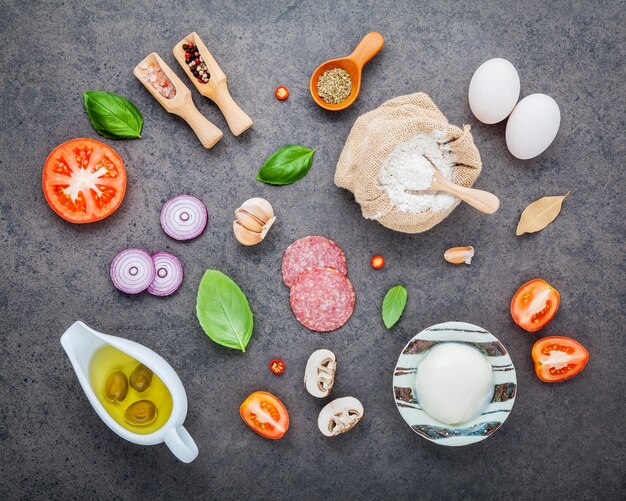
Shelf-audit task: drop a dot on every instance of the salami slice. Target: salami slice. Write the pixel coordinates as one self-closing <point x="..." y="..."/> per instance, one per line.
<point x="309" y="252"/>
<point x="322" y="299"/>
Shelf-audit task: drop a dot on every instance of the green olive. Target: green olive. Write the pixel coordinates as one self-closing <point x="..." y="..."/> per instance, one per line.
<point x="116" y="387"/>
<point x="141" y="413"/>
<point x="141" y="378"/>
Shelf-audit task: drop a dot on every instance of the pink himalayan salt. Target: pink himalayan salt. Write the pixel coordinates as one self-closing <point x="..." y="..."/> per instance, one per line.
<point x="153" y="74"/>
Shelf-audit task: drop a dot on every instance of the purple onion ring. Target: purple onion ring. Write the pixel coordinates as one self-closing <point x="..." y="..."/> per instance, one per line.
<point x="184" y="217"/>
<point x="132" y="271"/>
<point x="169" y="274"/>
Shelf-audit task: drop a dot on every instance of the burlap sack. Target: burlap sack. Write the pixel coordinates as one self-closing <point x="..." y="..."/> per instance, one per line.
<point x="375" y="135"/>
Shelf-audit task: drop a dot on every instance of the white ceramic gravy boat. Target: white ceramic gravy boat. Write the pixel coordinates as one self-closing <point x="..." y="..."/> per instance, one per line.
<point x="80" y="343"/>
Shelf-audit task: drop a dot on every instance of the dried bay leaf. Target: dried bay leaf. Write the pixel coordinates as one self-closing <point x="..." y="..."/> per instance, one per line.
<point x="540" y="214"/>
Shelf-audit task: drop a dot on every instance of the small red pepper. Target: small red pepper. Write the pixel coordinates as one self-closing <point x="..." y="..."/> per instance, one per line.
<point x="277" y="366"/>
<point x="282" y="93"/>
<point x="377" y="262"/>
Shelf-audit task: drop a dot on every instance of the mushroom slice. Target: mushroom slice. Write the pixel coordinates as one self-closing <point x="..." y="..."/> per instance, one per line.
<point x="339" y="416"/>
<point x="319" y="375"/>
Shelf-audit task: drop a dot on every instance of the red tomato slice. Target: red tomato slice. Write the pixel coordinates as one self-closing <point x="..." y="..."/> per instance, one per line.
<point x="265" y="414"/>
<point x="84" y="180"/>
<point x="558" y="358"/>
<point x="534" y="305"/>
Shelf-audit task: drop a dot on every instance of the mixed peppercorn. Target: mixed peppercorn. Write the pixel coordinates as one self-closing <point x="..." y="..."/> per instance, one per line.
<point x="196" y="64"/>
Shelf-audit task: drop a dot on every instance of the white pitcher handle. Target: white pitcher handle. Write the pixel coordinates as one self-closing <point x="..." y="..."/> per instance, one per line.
<point x="181" y="444"/>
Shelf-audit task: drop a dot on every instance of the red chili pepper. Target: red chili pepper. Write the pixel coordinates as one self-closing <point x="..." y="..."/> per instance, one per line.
<point x="277" y="366"/>
<point x="282" y="93"/>
<point x="377" y="262"/>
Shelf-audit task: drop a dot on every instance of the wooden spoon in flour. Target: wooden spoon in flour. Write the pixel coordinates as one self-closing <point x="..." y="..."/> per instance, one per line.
<point x="479" y="199"/>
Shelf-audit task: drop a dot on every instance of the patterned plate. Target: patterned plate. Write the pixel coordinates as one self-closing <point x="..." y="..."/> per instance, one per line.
<point x="504" y="390"/>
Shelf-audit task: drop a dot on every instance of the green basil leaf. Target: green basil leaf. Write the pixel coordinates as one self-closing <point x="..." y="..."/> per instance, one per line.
<point x="223" y="311"/>
<point x="393" y="305"/>
<point x="113" y="116"/>
<point x="286" y="165"/>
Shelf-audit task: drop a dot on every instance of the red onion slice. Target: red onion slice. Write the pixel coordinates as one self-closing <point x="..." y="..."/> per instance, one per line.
<point x="132" y="271"/>
<point x="169" y="274"/>
<point x="184" y="217"/>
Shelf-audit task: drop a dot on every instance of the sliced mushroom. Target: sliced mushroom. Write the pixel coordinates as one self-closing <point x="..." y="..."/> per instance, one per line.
<point x="319" y="375"/>
<point x="339" y="416"/>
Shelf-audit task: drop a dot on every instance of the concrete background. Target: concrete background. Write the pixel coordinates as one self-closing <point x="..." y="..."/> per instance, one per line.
<point x="561" y="441"/>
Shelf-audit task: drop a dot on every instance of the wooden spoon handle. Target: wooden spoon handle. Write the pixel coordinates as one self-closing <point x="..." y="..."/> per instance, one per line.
<point x="367" y="48"/>
<point x="207" y="133"/>
<point x="482" y="200"/>
<point x="237" y="119"/>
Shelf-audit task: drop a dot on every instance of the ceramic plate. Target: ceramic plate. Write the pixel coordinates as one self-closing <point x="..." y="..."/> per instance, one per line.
<point x="492" y="417"/>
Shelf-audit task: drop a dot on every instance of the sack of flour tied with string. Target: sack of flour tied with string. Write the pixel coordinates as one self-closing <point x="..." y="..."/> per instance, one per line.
<point x="388" y="160"/>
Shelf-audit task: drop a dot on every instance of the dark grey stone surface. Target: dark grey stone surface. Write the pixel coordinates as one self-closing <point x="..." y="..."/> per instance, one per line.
<point x="561" y="441"/>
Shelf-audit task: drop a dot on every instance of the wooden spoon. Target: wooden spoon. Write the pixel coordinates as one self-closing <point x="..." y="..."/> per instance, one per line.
<point x="216" y="89"/>
<point x="371" y="45"/>
<point x="181" y="104"/>
<point x="479" y="199"/>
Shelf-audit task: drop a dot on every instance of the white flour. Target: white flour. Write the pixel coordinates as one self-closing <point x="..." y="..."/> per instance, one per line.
<point x="406" y="168"/>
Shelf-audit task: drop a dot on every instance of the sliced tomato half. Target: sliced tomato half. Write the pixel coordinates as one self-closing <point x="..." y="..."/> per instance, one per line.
<point x="558" y="358"/>
<point x="534" y="304"/>
<point x="84" y="180"/>
<point x="265" y="414"/>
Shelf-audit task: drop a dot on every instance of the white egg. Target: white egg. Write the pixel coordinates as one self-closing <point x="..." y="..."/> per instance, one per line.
<point x="494" y="90"/>
<point x="532" y="126"/>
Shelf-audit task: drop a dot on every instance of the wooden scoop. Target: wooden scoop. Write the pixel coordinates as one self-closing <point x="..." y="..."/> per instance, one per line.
<point x="216" y="89"/>
<point x="481" y="200"/>
<point x="353" y="64"/>
<point x="181" y="104"/>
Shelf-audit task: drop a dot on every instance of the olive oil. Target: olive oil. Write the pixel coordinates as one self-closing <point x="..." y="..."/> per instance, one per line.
<point x="121" y="398"/>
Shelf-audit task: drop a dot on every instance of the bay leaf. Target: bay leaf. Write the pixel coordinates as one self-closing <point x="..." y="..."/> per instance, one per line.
<point x="540" y="214"/>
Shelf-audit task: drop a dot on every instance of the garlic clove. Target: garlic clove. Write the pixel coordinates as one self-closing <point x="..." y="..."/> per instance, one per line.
<point x="255" y="217"/>
<point x="259" y="208"/>
<point x="459" y="255"/>
<point x="267" y="227"/>
<point x="245" y="236"/>
<point x="249" y="221"/>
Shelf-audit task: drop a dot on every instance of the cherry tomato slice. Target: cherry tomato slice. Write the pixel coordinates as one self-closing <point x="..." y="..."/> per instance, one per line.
<point x="84" y="180"/>
<point x="534" y="305"/>
<point x="265" y="414"/>
<point x="277" y="366"/>
<point x="558" y="358"/>
<point x="282" y="93"/>
<point x="377" y="262"/>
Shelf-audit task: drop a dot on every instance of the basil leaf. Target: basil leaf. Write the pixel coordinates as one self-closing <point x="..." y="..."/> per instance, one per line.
<point x="223" y="311"/>
<point x="393" y="305"/>
<point x="286" y="165"/>
<point x="113" y="116"/>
